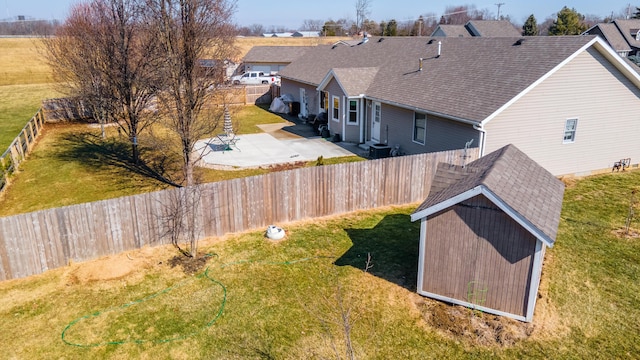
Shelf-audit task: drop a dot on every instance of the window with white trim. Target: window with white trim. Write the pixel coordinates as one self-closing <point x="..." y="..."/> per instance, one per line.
<point x="353" y="112"/>
<point x="336" y="108"/>
<point x="324" y="100"/>
<point x="570" y="127"/>
<point x="420" y="128"/>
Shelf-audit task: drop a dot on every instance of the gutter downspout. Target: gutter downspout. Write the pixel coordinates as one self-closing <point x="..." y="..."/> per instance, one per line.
<point x="483" y="138"/>
<point x="363" y="116"/>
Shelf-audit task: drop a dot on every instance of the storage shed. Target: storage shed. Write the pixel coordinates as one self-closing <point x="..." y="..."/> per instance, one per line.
<point x="484" y="230"/>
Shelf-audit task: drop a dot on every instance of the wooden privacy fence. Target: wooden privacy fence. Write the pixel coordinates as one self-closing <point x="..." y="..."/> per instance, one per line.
<point x="20" y="147"/>
<point x="249" y="94"/>
<point x="35" y="242"/>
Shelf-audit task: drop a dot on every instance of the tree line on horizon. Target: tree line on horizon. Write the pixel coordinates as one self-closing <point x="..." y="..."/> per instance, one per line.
<point x="567" y="21"/>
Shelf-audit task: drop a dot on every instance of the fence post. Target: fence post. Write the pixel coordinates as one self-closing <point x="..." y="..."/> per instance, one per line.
<point x="32" y="140"/>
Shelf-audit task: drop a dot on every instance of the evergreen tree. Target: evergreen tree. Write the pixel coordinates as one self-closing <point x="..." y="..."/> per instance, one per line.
<point x="392" y="28"/>
<point x="530" y="27"/>
<point x="636" y="15"/>
<point x="568" y="22"/>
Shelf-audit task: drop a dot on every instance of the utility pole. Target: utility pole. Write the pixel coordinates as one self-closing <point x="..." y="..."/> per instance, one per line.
<point x="499" y="5"/>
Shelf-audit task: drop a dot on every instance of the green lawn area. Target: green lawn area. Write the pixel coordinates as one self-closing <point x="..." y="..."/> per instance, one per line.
<point x="71" y="164"/>
<point x="18" y="103"/>
<point x="282" y="300"/>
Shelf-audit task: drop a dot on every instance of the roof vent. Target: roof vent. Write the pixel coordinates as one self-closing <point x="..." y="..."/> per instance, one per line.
<point x="380" y="40"/>
<point x="439" y="48"/>
<point x="431" y="41"/>
<point x="420" y="64"/>
<point x="519" y="42"/>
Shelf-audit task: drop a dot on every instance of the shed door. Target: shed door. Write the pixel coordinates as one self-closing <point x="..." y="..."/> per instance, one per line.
<point x="376" y="117"/>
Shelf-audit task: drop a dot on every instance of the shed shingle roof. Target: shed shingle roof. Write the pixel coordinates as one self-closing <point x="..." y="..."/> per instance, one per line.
<point x="526" y="187"/>
<point x="471" y="79"/>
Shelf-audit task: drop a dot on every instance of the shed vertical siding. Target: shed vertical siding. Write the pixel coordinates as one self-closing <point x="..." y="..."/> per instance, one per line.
<point x="474" y="247"/>
<point x="588" y="88"/>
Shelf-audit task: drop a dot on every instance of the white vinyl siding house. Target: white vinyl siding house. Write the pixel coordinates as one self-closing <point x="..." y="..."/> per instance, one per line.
<point x="536" y="122"/>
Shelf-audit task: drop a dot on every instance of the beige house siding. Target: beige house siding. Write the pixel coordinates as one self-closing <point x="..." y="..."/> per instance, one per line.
<point x="588" y="88"/>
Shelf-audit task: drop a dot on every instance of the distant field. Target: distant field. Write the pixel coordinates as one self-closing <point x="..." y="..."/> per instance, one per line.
<point x="21" y="63"/>
<point x="246" y="43"/>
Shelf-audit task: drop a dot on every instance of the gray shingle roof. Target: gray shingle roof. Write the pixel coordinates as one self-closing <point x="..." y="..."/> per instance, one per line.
<point x="629" y="29"/>
<point x="522" y="184"/>
<point x="274" y="54"/>
<point x="471" y="79"/>
<point x="451" y="31"/>
<point x="493" y="28"/>
<point x="355" y="81"/>
<point x="612" y="35"/>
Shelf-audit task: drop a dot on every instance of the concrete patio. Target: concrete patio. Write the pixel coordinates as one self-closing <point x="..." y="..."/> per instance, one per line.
<point x="279" y="143"/>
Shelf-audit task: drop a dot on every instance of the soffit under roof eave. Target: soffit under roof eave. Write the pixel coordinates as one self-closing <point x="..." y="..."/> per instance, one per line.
<point x="482" y="189"/>
<point x="428" y="112"/>
<point x="299" y="81"/>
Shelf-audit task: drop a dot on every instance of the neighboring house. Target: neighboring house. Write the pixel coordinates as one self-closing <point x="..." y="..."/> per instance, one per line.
<point x="225" y="68"/>
<point x="568" y="102"/>
<point x="284" y="34"/>
<point x="451" y="31"/>
<point x="271" y="59"/>
<point x="484" y="230"/>
<point x="611" y="34"/>
<point x="306" y="34"/>
<point x="482" y="28"/>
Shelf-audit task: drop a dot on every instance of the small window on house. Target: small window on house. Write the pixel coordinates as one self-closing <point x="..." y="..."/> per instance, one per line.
<point x="570" y="131"/>
<point x="324" y="100"/>
<point x="420" y="128"/>
<point x="336" y="108"/>
<point x="353" y="111"/>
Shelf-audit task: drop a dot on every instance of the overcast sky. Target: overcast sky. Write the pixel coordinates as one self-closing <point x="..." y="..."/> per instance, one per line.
<point x="291" y="13"/>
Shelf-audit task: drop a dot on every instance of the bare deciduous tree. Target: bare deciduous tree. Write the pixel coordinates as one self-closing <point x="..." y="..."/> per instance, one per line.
<point x="178" y="219"/>
<point x="189" y="31"/>
<point x="312" y="25"/>
<point x="105" y="57"/>
<point x="363" y="8"/>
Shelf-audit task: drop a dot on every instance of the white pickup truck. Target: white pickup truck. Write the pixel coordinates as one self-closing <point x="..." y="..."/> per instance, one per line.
<point x="254" y="78"/>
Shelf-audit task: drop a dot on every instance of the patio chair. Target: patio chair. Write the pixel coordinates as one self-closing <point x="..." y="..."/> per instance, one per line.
<point x="228" y="141"/>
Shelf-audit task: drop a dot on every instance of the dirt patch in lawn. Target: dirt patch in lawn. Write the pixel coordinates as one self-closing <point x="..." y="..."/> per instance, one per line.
<point x="190" y="265"/>
<point x="114" y="267"/>
<point x="474" y="327"/>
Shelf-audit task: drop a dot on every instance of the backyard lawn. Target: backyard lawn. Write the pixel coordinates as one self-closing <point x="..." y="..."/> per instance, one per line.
<point x="352" y="274"/>
<point x="255" y="298"/>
